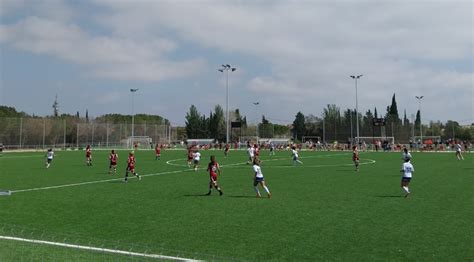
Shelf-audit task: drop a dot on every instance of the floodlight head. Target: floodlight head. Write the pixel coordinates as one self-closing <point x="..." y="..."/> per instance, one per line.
<point x="233" y="69"/>
<point x="256" y="103"/>
<point x="133" y="90"/>
<point x="359" y="76"/>
<point x="353" y="77"/>
<point x="223" y="65"/>
<point x="228" y="66"/>
<point x="220" y="70"/>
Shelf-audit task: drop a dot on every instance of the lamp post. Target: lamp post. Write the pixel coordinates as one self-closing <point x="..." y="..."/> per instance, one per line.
<point x="227" y="68"/>
<point x="133" y="90"/>
<point x="256" y="114"/>
<point x="357" y="109"/>
<point x="421" y="126"/>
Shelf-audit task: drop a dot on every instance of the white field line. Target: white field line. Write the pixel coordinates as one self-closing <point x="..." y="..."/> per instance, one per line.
<point x="92" y="182"/>
<point x="104" y="250"/>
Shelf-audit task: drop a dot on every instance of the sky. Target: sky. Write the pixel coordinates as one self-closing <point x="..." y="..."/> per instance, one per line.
<point x="290" y="56"/>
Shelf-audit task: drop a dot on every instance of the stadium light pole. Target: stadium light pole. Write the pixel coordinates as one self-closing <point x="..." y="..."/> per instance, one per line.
<point x="419" y="110"/>
<point x="133" y="90"/>
<point x="226" y="68"/>
<point x="256" y="114"/>
<point x="357" y="109"/>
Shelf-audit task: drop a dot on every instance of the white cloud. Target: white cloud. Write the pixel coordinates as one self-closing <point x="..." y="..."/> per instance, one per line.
<point x="105" y="56"/>
<point x="310" y="48"/>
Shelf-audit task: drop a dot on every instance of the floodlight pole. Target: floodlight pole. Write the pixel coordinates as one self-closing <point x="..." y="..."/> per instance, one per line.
<point x="256" y="113"/>
<point x="357" y="108"/>
<point x="133" y="90"/>
<point x="421" y="125"/>
<point x="227" y="68"/>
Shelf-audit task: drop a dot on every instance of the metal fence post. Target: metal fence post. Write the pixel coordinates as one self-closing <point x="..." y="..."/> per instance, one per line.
<point x="64" y="137"/>
<point x="44" y="132"/>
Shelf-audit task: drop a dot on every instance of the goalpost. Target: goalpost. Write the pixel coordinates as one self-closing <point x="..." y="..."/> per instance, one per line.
<point x="200" y="141"/>
<point x="139" y="142"/>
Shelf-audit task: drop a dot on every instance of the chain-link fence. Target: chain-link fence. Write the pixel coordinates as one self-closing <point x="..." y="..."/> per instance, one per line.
<point x="42" y="133"/>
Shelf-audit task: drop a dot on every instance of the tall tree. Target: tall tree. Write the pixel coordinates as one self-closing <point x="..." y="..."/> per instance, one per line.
<point x="299" y="128"/>
<point x="217" y="124"/>
<point x="194" y="123"/>
<point x="332" y="118"/>
<point x="394" y="110"/>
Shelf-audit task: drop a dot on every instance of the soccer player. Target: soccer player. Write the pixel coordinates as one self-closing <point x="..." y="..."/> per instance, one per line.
<point x="294" y="153"/>
<point x="256" y="151"/>
<point x="196" y="158"/>
<point x="259" y="179"/>
<point x="355" y="157"/>
<point x="406" y="155"/>
<point x="226" y="150"/>
<point x="88" y="155"/>
<point x="214" y="171"/>
<point x="407" y="170"/>
<point x="459" y="152"/>
<point x="251" y="153"/>
<point x="157" y="152"/>
<point x="131" y="167"/>
<point x="190" y="156"/>
<point x="113" y="157"/>
<point x="272" y="149"/>
<point x="49" y="157"/>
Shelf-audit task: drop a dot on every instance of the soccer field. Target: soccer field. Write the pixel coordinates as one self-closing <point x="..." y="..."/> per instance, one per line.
<point x="321" y="210"/>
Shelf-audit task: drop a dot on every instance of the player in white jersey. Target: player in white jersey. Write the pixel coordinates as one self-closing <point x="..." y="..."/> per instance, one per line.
<point x="459" y="152"/>
<point x="251" y="153"/>
<point x="49" y="157"/>
<point x="258" y="179"/>
<point x="294" y="154"/>
<point x="196" y="158"/>
<point x="406" y="155"/>
<point x="407" y="170"/>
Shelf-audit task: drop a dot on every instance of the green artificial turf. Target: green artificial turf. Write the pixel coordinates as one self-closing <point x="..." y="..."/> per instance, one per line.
<point x="321" y="210"/>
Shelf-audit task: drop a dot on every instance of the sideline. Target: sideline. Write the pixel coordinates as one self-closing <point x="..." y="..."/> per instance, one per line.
<point x="92" y="182"/>
<point x="104" y="250"/>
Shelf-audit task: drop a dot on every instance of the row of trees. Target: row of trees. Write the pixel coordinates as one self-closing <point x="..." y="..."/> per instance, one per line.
<point x="213" y="126"/>
<point x="334" y="125"/>
<point x="341" y="125"/>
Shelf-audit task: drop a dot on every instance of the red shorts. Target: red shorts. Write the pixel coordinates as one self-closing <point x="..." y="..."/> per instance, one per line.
<point x="113" y="163"/>
<point x="130" y="168"/>
<point x="213" y="179"/>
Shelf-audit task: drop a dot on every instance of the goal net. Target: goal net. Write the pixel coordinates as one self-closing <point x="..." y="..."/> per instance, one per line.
<point x="200" y="142"/>
<point x="372" y="140"/>
<point x="141" y="142"/>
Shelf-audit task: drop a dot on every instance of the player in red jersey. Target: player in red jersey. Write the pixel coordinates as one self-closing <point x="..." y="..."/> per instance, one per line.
<point x="226" y="150"/>
<point x="355" y="157"/>
<point x="88" y="155"/>
<point x="131" y="166"/>
<point x="190" y="156"/>
<point x="113" y="157"/>
<point x="157" y="152"/>
<point x="214" y="171"/>
<point x="257" y="151"/>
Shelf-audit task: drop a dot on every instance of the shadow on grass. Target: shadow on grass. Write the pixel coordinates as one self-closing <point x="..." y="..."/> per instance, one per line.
<point x="390" y="196"/>
<point x="195" y="195"/>
<point x="242" y="196"/>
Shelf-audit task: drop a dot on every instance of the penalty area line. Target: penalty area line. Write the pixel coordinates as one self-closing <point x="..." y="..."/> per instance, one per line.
<point x="91" y="182"/>
<point x="98" y="249"/>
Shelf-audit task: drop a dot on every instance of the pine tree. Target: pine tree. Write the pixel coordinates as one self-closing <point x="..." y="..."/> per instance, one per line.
<point x="299" y="128"/>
